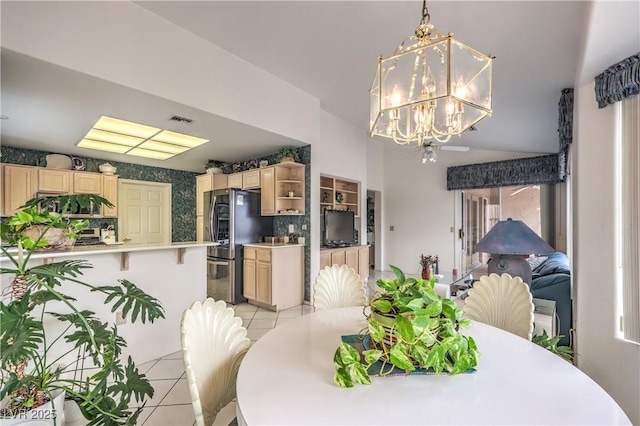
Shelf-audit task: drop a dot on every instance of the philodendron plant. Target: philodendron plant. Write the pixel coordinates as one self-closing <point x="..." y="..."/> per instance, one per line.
<point x="48" y="343"/>
<point x="409" y="327"/>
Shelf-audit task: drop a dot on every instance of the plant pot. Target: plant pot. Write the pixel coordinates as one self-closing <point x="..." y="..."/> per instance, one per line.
<point x="212" y="170"/>
<point x="45" y="414"/>
<point x="57" y="238"/>
<point x="287" y="159"/>
<point x="426" y="273"/>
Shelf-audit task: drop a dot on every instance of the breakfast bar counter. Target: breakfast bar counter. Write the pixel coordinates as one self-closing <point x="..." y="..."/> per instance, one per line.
<point x="174" y="273"/>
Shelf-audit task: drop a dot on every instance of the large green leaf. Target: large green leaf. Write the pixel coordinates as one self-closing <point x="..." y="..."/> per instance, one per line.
<point x="382" y="305"/>
<point x="346" y="355"/>
<point x="135" y="384"/>
<point x="21" y="334"/>
<point x="359" y="374"/>
<point x="387" y="284"/>
<point x="376" y="330"/>
<point x="404" y="328"/>
<point x="131" y="299"/>
<point x="420" y="352"/>
<point x="342" y="378"/>
<point x="398" y="272"/>
<point x="436" y="359"/>
<point x="399" y="357"/>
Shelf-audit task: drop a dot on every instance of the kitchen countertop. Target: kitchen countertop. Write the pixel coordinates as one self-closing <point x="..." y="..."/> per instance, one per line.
<point x="114" y="248"/>
<point x="272" y="245"/>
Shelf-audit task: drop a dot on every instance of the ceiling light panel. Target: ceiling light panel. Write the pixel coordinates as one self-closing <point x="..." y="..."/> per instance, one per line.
<point x="125" y="127"/>
<point x="126" y="137"/>
<point x="103" y="146"/>
<point x="179" y="139"/>
<point x="147" y="153"/>
<point x="163" y="147"/>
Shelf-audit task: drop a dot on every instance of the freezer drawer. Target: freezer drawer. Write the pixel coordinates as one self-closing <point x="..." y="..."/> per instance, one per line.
<point x="221" y="279"/>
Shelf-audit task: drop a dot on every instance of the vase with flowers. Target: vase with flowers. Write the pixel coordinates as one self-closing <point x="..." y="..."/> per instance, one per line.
<point x="427" y="263"/>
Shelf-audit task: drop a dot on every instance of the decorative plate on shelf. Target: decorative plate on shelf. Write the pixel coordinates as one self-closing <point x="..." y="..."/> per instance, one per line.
<point x="59" y="161"/>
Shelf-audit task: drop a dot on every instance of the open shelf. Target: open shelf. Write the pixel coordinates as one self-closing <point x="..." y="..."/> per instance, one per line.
<point x="331" y="186"/>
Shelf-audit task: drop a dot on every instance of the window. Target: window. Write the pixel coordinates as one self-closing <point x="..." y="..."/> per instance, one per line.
<point x="629" y="207"/>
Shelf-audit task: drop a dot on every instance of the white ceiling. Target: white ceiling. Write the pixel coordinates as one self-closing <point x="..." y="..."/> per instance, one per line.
<point x="328" y="49"/>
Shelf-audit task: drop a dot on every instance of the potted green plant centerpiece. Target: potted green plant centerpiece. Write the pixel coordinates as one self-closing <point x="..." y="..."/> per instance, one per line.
<point x="287" y="154"/>
<point x="410" y="329"/>
<point x="46" y="341"/>
<point x="213" y="166"/>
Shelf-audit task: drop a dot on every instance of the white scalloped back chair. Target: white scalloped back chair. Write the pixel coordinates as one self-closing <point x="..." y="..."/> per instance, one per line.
<point x="214" y="342"/>
<point x="338" y="286"/>
<point x="501" y="301"/>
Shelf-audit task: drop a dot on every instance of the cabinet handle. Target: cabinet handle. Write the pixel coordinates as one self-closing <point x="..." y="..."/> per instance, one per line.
<point x="126" y="240"/>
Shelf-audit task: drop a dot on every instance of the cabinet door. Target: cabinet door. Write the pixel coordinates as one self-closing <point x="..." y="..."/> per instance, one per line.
<point x="351" y="257"/>
<point x="235" y="180"/>
<point x="263" y="282"/>
<point x="199" y="228"/>
<point x="19" y="186"/>
<point x="338" y="257"/>
<point x="56" y="181"/>
<point x="325" y="260"/>
<point x="267" y="192"/>
<point x="220" y="181"/>
<point x="363" y="262"/>
<point x="87" y="183"/>
<point x="249" y="272"/>
<point x="251" y="180"/>
<point x="110" y="192"/>
<point x="204" y="183"/>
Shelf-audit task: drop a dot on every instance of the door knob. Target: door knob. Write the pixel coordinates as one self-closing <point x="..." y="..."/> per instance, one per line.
<point x="126" y="240"/>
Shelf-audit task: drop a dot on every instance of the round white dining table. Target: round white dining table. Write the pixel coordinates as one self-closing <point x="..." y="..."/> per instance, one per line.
<point x="286" y="378"/>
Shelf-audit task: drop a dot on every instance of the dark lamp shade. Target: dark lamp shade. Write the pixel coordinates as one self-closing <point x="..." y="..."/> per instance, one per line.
<point x="513" y="237"/>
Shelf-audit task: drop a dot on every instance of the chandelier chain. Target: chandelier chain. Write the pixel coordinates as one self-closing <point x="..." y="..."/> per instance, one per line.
<point x="425" y="13"/>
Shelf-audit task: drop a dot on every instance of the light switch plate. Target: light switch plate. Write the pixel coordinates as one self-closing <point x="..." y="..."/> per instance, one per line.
<point x="292" y="228"/>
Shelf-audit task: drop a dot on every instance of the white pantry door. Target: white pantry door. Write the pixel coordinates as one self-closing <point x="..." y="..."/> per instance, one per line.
<point x="144" y="212"/>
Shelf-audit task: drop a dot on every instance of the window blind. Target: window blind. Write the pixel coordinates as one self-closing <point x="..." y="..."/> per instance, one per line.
<point x="630" y="191"/>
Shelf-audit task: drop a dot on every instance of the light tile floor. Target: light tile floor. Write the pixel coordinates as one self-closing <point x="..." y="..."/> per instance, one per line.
<point x="171" y="403"/>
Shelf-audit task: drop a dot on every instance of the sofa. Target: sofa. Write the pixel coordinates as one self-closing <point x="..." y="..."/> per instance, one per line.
<point x="551" y="280"/>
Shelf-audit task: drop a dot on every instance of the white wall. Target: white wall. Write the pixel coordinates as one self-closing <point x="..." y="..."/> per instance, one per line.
<point x="609" y="360"/>
<point x="342" y="152"/>
<point x="127" y="44"/>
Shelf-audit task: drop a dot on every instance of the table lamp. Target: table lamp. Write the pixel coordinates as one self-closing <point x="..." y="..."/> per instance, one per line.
<point x="508" y="242"/>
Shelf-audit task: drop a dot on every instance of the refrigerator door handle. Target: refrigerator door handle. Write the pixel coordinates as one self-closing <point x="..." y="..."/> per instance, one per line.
<point x="212" y="218"/>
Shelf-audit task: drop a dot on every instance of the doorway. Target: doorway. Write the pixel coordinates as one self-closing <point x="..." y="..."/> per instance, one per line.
<point x="144" y="212"/>
<point x="374" y="228"/>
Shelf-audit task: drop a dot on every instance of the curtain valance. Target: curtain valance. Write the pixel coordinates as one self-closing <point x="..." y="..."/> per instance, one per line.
<point x="618" y="82"/>
<point x="544" y="169"/>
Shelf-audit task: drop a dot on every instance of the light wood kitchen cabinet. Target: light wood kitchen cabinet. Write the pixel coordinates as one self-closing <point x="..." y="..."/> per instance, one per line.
<point x="200" y="228"/>
<point x="267" y="194"/>
<point x="87" y="183"/>
<point x="283" y="189"/>
<point x="54" y="181"/>
<point x="234" y="180"/>
<point x="339" y="194"/>
<point x="273" y="275"/>
<point x="19" y="185"/>
<point x="204" y="184"/>
<point x="251" y="179"/>
<point x="356" y="257"/>
<point x="110" y="192"/>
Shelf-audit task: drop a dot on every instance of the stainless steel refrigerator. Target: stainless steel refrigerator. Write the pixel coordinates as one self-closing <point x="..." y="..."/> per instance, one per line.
<point x="232" y="218"/>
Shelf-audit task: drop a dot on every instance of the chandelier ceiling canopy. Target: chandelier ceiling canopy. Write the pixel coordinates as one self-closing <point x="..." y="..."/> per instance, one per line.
<point x="431" y="88"/>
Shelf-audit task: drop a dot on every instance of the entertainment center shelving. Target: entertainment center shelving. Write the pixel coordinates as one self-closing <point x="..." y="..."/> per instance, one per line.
<point x="356" y="257"/>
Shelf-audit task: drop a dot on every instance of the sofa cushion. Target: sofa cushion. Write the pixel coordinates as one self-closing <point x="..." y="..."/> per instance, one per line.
<point x="535" y="261"/>
<point x="556" y="263"/>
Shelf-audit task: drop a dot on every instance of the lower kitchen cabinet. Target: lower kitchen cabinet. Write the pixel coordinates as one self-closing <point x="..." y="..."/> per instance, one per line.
<point x="356" y="257"/>
<point x="274" y="275"/>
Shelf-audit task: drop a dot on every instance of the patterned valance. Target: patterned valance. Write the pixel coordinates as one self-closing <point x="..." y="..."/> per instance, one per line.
<point x="618" y="82"/>
<point x="544" y="169"/>
<point x="565" y="118"/>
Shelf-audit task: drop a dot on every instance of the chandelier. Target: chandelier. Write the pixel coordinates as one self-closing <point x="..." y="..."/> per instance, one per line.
<point x="431" y="88"/>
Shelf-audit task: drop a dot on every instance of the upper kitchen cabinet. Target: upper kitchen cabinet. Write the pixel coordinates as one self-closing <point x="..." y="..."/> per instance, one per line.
<point x="205" y="183"/>
<point x="54" y="181"/>
<point x="87" y="183"/>
<point x="251" y="179"/>
<point x="290" y="188"/>
<point x="110" y="192"/>
<point x="234" y="180"/>
<point x="19" y="185"/>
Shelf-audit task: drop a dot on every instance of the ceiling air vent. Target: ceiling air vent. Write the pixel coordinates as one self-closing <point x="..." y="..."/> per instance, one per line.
<point x="179" y="119"/>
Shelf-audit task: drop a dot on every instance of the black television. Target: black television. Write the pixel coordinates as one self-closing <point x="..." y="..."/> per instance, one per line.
<point x="339" y="228"/>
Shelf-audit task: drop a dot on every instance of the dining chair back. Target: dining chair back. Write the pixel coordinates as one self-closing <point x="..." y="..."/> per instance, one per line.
<point x="501" y="301"/>
<point x="214" y="342"/>
<point x="338" y="286"/>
